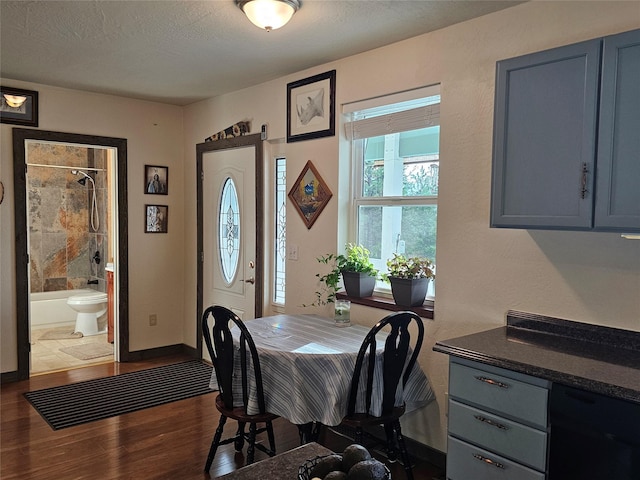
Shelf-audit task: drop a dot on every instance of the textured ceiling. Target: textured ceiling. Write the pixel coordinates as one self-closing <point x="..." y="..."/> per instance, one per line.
<point x="180" y="52"/>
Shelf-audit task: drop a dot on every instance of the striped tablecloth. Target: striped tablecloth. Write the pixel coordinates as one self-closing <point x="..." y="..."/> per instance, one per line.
<point x="307" y="364"/>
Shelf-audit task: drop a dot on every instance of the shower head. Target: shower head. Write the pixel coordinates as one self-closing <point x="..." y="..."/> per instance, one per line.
<point x="95" y="221"/>
<point x="83" y="180"/>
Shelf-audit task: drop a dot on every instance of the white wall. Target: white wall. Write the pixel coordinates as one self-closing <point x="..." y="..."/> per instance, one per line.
<point x="482" y="272"/>
<point x="154" y="136"/>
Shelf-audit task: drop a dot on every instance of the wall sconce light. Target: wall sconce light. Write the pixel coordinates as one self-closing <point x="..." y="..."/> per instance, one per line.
<point x="269" y="14"/>
<point x="14" y="101"/>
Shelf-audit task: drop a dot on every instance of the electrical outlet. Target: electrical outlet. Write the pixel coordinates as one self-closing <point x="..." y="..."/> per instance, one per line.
<point x="153" y="320"/>
<point x="292" y="252"/>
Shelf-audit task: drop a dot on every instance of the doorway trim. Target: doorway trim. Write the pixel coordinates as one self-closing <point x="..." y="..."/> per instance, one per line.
<point x="20" y="136"/>
<point x="244" y="141"/>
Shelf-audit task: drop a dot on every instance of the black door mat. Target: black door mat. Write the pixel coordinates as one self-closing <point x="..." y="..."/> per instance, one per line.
<point x="83" y="402"/>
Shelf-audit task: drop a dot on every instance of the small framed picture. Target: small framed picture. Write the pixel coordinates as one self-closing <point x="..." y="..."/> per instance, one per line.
<point x="19" y="107"/>
<point x="156" y="217"/>
<point x="311" y="110"/>
<point x="156" y="180"/>
<point x="309" y="194"/>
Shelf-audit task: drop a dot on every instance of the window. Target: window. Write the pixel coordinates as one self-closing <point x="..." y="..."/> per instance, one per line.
<point x="280" y="228"/>
<point x="229" y="230"/>
<point x="395" y="152"/>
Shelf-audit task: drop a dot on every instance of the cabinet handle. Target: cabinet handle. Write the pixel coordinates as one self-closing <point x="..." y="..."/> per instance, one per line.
<point x="583" y="181"/>
<point x="488" y="461"/>
<point x="491" y="381"/>
<point x="490" y="422"/>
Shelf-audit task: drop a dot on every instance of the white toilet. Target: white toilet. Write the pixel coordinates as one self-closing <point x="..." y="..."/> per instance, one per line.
<point x="90" y="307"/>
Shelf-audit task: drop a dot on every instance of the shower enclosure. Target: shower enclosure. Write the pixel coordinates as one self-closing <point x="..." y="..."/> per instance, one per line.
<point x="67" y="241"/>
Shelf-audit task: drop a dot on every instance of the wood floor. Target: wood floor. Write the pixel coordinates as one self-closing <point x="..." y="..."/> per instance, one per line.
<point x="166" y="442"/>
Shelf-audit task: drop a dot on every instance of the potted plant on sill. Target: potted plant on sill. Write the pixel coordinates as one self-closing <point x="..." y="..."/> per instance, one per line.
<point x="358" y="274"/>
<point x="409" y="278"/>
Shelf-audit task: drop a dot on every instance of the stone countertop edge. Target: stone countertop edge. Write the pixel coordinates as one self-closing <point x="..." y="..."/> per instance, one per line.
<point x="589" y="357"/>
<point x="283" y="466"/>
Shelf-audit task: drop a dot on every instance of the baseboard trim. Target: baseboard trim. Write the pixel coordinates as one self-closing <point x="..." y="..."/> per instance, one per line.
<point x="9" y="377"/>
<point x="178" y="348"/>
<point x="415" y="448"/>
<point x="425" y="452"/>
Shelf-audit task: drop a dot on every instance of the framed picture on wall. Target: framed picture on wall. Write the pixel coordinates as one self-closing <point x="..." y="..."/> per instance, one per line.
<point x="309" y="194"/>
<point x="18" y="106"/>
<point x="156" y="218"/>
<point x="311" y="110"/>
<point x="156" y="180"/>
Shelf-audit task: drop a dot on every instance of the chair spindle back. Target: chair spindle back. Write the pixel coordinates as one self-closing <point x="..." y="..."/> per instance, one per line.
<point x="394" y="359"/>
<point x="223" y="355"/>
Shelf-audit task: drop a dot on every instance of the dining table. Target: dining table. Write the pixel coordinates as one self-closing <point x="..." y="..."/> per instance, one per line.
<point x="307" y="363"/>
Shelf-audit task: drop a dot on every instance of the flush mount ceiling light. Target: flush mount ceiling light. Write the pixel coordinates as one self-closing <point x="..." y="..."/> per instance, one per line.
<point x="269" y="14"/>
<point x="14" y="101"/>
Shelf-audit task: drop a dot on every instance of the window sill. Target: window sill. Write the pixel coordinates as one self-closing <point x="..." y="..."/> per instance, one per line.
<point x="425" y="310"/>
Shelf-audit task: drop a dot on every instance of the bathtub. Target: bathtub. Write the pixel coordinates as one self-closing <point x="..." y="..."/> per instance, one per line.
<point x="51" y="309"/>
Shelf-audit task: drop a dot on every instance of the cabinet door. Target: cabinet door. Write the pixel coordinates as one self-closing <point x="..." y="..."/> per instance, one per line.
<point x="544" y="138"/>
<point x="618" y="185"/>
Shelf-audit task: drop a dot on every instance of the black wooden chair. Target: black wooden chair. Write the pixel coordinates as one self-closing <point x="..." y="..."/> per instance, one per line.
<point x="396" y="367"/>
<point x="222" y="352"/>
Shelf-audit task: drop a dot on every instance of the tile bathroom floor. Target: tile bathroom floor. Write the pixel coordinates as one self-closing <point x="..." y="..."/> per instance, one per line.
<point x="46" y="356"/>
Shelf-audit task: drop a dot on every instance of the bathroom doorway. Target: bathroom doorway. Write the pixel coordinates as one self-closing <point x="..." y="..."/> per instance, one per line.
<point x="71" y="232"/>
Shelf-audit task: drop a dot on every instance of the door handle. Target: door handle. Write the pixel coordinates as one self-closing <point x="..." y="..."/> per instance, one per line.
<point x="250" y="280"/>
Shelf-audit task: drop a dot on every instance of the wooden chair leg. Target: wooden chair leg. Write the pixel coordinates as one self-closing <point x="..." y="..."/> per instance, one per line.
<point x="391" y="448"/>
<point x="305" y="431"/>
<point x="215" y="443"/>
<point x="404" y="453"/>
<point x="252" y="443"/>
<point x="358" y="436"/>
<point x="239" y="441"/>
<point x="272" y="439"/>
<point x="315" y="434"/>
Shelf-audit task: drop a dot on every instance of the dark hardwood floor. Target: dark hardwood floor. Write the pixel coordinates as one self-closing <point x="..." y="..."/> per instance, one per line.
<point x="166" y="442"/>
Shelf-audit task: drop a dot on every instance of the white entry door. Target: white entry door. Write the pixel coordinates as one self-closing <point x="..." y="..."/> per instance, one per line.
<point x="229" y="230"/>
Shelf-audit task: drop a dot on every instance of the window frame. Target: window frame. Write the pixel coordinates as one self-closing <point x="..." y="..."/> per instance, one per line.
<point x="279" y="164"/>
<point x="357" y="200"/>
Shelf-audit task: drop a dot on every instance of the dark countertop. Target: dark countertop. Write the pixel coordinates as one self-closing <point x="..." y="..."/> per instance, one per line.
<point x="283" y="466"/>
<point x="589" y="357"/>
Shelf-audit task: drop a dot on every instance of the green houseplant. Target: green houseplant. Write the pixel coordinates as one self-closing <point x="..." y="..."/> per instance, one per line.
<point x="358" y="274"/>
<point x="409" y="278"/>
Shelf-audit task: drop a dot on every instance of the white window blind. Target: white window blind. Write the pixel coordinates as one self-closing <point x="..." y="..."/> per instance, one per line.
<point x="385" y="124"/>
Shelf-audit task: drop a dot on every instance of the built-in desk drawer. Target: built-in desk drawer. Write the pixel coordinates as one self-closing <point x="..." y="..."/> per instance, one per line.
<point x="500" y="394"/>
<point x="467" y="462"/>
<point x="516" y="441"/>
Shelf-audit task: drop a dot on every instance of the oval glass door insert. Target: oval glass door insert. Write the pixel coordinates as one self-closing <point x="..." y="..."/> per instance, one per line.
<point x="229" y="230"/>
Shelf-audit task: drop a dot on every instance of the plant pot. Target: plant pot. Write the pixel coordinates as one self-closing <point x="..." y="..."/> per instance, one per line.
<point x="358" y="284"/>
<point x="409" y="292"/>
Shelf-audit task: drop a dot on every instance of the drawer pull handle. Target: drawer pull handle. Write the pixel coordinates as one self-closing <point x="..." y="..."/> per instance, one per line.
<point x="491" y="381"/>
<point x="488" y="461"/>
<point x="583" y="181"/>
<point x="490" y="422"/>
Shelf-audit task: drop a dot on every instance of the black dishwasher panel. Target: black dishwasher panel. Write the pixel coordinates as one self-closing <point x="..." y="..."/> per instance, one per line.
<point x="593" y="437"/>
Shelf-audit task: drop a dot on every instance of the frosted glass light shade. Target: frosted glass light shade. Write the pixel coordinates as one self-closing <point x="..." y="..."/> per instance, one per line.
<point x="269" y="14"/>
<point x="14" y="101"/>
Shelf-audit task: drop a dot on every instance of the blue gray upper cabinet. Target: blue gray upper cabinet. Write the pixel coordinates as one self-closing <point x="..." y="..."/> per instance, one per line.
<point x="618" y="179"/>
<point x="553" y="110"/>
